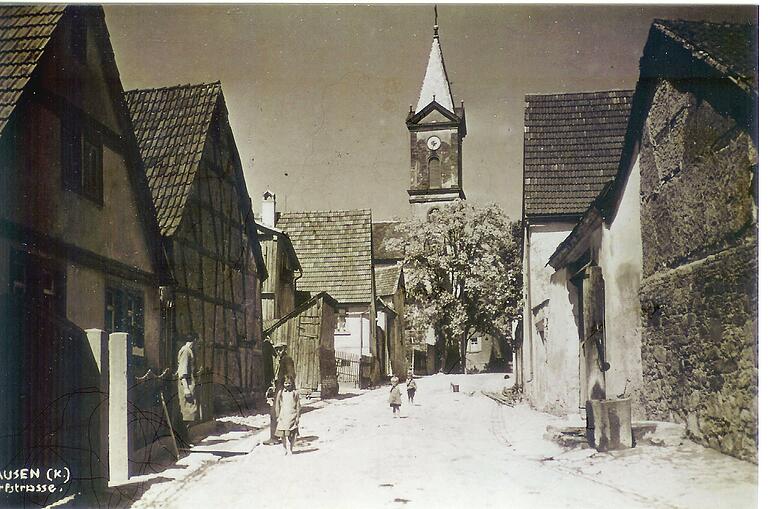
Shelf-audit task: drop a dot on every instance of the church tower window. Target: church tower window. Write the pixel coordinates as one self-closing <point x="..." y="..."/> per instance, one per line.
<point x="435" y="175"/>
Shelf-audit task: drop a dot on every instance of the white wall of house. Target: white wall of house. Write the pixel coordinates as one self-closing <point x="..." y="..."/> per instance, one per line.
<point x="616" y="250"/>
<point x="356" y="338"/>
<point x="621" y="259"/>
<point x="479" y="350"/>
<point x="550" y="339"/>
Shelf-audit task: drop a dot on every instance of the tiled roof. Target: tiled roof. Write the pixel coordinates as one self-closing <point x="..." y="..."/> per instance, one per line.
<point x="729" y="47"/>
<point x="171" y="126"/>
<point x="387" y="279"/>
<point x="334" y="248"/>
<point x="383" y="232"/>
<point x="24" y="34"/>
<point x="572" y="147"/>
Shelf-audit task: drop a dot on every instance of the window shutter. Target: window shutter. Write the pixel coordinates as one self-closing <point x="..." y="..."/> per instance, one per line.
<point x="594" y="332"/>
<point x="71" y="151"/>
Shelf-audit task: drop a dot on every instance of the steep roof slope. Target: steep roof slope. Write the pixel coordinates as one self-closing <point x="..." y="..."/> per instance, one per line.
<point x="731" y="48"/>
<point x="572" y="148"/>
<point x="171" y="127"/>
<point x="334" y="248"/>
<point x="387" y="279"/>
<point x="24" y="33"/>
<point x="435" y="86"/>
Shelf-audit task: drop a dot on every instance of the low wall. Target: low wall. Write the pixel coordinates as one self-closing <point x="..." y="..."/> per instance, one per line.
<point x="699" y="349"/>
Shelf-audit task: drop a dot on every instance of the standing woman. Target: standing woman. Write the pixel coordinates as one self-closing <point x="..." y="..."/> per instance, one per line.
<point x="190" y="409"/>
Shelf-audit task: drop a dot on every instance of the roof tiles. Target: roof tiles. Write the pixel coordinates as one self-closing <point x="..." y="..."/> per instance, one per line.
<point x="572" y="147"/>
<point x="334" y="248"/>
<point x="729" y="47"/>
<point x="24" y="35"/>
<point x="171" y="126"/>
<point x="387" y="279"/>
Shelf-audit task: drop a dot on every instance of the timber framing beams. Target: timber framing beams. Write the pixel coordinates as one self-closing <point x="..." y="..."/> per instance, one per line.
<point x="67" y="251"/>
<point x="202" y="296"/>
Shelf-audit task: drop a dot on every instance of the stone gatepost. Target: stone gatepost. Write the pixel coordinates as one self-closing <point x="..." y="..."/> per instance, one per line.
<point x="119" y="354"/>
<point x="99" y="343"/>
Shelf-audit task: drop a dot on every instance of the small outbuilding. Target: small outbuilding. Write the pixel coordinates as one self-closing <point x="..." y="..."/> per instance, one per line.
<point x="308" y="331"/>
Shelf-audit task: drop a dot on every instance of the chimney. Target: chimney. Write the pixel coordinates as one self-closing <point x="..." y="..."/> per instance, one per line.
<point x="268" y="209"/>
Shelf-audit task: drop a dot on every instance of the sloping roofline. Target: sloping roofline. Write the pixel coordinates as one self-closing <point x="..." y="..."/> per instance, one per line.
<point x="136" y="175"/>
<point x="606" y="203"/>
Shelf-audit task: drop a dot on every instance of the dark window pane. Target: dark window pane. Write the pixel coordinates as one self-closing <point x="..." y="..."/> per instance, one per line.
<point x="71" y="150"/>
<point x="18" y="275"/>
<point x="79" y="39"/>
<point x="124" y="312"/>
<point x="92" y="167"/>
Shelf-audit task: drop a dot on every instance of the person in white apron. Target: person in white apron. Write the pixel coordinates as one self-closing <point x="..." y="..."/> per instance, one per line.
<point x="283" y="367"/>
<point x="188" y="403"/>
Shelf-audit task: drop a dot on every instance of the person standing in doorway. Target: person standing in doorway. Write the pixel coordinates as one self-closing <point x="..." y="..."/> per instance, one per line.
<point x="283" y="367"/>
<point x="188" y="403"/>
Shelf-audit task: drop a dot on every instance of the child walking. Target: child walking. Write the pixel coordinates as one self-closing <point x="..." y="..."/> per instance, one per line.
<point x="411" y="388"/>
<point x="394" y="397"/>
<point x="287" y="409"/>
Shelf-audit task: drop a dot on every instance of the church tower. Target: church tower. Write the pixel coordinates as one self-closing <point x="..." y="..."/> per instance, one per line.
<point x="436" y="129"/>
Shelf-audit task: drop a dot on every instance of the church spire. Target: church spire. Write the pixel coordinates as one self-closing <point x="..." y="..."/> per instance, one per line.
<point x="436" y="86"/>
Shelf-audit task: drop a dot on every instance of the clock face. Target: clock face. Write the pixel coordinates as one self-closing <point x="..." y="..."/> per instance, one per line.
<point x="433" y="143"/>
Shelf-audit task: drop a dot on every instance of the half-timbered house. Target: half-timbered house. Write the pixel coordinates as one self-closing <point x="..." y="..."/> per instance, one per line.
<point x="204" y="212"/>
<point x="278" y="293"/>
<point x="79" y="241"/>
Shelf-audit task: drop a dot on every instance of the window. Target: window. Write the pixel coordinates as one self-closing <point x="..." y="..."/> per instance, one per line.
<point x="78" y="41"/>
<point x="81" y="157"/>
<point x="37" y="281"/>
<point x="474" y="345"/>
<point x="124" y="312"/>
<point x="341" y="321"/>
<point x="435" y="175"/>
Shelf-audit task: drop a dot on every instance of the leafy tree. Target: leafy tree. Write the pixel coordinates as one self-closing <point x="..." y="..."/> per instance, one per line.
<point x="464" y="278"/>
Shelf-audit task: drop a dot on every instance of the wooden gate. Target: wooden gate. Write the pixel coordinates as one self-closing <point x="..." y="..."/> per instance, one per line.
<point x="354" y="370"/>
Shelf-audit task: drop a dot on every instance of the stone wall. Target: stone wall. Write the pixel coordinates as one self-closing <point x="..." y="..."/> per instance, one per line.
<point x="698" y="294"/>
<point x="696" y="179"/>
<point x="699" y="351"/>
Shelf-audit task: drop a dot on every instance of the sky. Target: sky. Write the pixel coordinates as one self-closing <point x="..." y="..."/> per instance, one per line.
<point x="318" y="94"/>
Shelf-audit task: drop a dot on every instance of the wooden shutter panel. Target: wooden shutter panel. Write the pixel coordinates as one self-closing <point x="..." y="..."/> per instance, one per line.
<point x="594" y="332"/>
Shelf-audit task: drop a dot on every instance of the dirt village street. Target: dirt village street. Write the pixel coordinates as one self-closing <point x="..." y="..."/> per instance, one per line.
<point x="449" y="449"/>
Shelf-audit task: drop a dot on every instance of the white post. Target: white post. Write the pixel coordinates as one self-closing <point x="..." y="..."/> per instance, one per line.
<point x="99" y="342"/>
<point x="119" y="342"/>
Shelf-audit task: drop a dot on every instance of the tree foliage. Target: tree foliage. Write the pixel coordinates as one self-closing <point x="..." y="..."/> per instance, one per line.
<point x="464" y="278"/>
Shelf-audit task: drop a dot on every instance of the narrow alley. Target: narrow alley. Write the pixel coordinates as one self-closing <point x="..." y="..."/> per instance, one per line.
<point x="449" y="449"/>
